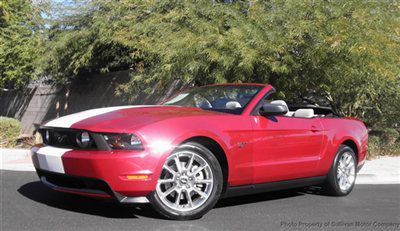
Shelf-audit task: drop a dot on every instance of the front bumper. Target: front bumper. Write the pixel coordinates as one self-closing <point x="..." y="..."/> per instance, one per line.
<point x="98" y="173"/>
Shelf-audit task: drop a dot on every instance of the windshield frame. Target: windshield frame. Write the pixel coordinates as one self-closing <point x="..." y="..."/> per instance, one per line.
<point x="259" y="88"/>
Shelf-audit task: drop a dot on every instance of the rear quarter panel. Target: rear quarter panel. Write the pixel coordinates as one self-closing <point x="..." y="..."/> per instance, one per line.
<point x="336" y="132"/>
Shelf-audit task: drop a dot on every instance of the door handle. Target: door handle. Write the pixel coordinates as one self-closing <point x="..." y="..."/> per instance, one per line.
<point x="315" y="128"/>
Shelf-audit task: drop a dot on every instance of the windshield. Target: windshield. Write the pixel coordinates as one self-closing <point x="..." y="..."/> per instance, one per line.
<point x="231" y="99"/>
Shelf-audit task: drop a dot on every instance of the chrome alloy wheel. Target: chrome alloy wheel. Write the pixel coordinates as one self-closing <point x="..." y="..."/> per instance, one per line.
<point x="186" y="181"/>
<point x="346" y="172"/>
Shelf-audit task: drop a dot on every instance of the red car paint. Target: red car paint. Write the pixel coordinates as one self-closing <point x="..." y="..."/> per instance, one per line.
<point x="257" y="149"/>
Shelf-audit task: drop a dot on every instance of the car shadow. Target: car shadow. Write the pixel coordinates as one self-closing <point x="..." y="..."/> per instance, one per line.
<point x="36" y="191"/>
<point x="259" y="197"/>
<point x="270" y="196"/>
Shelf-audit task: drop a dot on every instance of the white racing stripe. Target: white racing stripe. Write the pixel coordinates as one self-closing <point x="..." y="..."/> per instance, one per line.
<point x="69" y="120"/>
<point x="49" y="158"/>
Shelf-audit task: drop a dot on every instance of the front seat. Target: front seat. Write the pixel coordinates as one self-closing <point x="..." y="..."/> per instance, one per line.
<point x="282" y="102"/>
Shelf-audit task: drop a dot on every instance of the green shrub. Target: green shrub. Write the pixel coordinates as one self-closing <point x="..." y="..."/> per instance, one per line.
<point x="379" y="146"/>
<point x="389" y="136"/>
<point x="9" y="132"/>
<point x="373" y="147"/>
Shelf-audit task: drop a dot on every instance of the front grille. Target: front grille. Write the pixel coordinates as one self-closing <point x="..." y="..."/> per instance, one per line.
<point x="64" y="138"/>
<point x="77" y="183"/>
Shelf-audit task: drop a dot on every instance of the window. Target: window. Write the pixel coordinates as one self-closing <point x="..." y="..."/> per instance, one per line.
<point x="223" y="98"/>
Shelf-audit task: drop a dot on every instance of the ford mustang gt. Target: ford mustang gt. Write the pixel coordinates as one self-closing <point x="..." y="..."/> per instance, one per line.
<point x="200" y="145"/>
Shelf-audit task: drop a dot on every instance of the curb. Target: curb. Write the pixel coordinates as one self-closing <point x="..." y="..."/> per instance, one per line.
<point x="377" y="179"/>
<point x="15" y="160"/>
<point x="382" y="170"/>
<point x="13" y="154"/>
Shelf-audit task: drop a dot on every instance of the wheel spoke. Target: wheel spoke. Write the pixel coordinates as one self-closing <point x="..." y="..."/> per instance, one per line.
<point x="189" y="198"/>
<point x="169" y="191"/>
<point x="342" y="163"/>
<point x="350" y="166"/>
<point x="198" y="191"/>
<point x="190" y="163"/>
<point x="166" y="167"/>
<point x="346" y="181"/>
<point x="341" y="180"/>
<point x="178" y="164"/>
<point x="348" y="159"/>
<point x="178" y="198"/>
<point x="164" y="181"/>
<point x="340" y="174"/>
<point x="204" y="181"/>
<point x="199" y="170"/>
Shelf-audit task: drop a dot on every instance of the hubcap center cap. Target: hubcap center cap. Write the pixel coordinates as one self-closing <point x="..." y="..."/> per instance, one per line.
<point x="183" y="180"/>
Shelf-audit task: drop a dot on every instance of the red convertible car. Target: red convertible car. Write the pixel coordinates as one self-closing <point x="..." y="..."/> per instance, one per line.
<point x="201" y="145"/>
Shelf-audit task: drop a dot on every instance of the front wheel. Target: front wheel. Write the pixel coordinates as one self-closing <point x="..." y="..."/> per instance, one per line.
<point x="342" y="176"/>
<point x="190" y="183"/>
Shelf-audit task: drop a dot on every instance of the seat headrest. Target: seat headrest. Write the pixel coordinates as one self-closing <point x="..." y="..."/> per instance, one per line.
<point x="232" y="105"/>
<point x="304" y="113"/>
<point x="282" y="102"/>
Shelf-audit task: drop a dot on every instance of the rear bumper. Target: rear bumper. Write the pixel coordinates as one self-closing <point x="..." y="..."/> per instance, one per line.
<point x="98" y="173"/>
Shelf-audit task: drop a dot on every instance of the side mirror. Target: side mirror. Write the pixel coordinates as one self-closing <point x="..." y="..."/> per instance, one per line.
<point x="273" y="109"/>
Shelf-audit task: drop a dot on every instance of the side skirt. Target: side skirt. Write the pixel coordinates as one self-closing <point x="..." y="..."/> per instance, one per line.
<point x="272" y="186"/>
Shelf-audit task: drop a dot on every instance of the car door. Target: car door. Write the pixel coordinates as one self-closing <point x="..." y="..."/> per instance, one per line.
<point x="285" y="148"/>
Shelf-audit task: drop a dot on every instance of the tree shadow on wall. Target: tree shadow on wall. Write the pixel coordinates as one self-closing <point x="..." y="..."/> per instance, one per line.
<point x="14" y="103"/>
<point x="97" y="91"/>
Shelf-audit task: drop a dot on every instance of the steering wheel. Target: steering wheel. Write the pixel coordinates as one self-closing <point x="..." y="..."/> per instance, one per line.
<point x="203" y="103"/>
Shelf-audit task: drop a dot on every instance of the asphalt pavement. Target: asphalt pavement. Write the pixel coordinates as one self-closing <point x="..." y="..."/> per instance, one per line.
<point x="28" y="205"/>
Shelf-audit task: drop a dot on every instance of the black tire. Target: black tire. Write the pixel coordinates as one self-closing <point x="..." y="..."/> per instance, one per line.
<point x="331" y="185"/>
<point x="215" y="193"/>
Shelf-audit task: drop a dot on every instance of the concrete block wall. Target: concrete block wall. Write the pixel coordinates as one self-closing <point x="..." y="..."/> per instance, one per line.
<point x="44" y="102"/>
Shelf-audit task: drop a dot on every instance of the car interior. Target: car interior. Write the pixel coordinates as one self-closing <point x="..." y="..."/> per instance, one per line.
<point x="304" y="111"/>
<point x="233" y="100"/>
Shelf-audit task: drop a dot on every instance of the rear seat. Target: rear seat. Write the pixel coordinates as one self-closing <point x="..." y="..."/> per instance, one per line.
<point x="300" y="113"/>
<point x="304" y="113"/>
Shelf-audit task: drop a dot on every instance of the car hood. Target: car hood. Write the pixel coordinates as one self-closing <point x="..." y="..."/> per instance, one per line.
<point x="123" y="118"/>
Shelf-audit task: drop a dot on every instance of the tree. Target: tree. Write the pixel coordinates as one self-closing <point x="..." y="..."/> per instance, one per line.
<point x="78" y="42"/>
<point x="341" y="53"/>
<point x="21" y="31"/>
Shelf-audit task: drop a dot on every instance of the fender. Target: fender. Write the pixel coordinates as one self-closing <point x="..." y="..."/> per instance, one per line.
<point x="182" y="138"/>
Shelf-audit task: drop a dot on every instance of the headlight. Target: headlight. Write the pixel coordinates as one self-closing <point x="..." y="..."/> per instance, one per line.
<point x="83" y="140"/>
<point x="123" y="141"/>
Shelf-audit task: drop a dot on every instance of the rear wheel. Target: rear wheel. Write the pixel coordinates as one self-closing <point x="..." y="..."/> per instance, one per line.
<point x="342" y="176"/>
<point x="190" y="183"/>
